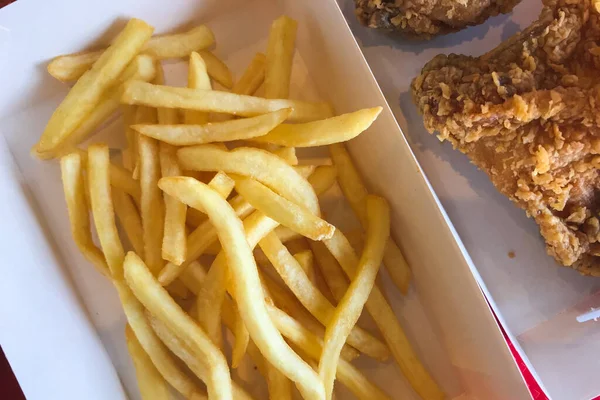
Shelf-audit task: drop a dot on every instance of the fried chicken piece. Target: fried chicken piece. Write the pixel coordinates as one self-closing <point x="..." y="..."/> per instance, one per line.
<point x="427" y="18"/>
<point x="528" y="114"/>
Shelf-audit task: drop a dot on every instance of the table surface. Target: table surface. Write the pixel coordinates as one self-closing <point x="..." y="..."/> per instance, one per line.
<point x="11" y="389"/>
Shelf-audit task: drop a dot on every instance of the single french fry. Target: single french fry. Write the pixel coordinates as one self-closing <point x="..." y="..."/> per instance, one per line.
<point x="151" y="383"/>
<point x="197" y="79"/>
<point x="102" y="208"/>
<point x="323" y="178"/>
<point x="121" y="179"/>
<point x="185" y="135"/>
<point x="70" y="67"/>
<point x="355" y="192"/>
<point x="156" y="299"/>
<point x="143" y="93"/>
<point x="174" y="242"/>
<point x="285" y="212"/>
<point x="246" y="282"/>
<point x="88" y="90"/>
<point x="185" y="354"/>
<point x="209" y="300"/>
<point x="319" y="133"/>
<point x="346" y="314"/>
<point x="257" y="164"/>
<point x="306" y="261"/>
<point x="165" y="116"/>
<point x="130" y="219"/>
<point x="222" y="184"/>
<point x="242" y="341"/>
<point x="152" y="204"/>
<point x="180" y="45"/>
<point x="330" y="270"/>
<point x="386" y="321"/>
<point x="162" y="359"/>
<point x="143" y="115"/>
<point x="280" y="56"/>
<point x="311" y="298"/>
<point x="130" y="153"/>
<point x="286" y="234"/>
<point x="253" y="76"/>
<point x="72" y="172"/>
<point x="288" y="154"/>
<point x="217" y="69"/>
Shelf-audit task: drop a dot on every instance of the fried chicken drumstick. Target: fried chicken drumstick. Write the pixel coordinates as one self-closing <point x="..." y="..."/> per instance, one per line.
<point x="528" y="114"/>
<point x="427" y="18"/>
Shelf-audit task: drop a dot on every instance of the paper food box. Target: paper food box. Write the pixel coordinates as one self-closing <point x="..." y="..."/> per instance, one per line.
<point x="61" y="324"/>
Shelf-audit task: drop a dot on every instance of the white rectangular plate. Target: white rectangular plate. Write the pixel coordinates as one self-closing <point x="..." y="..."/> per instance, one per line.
<point x="445" y="314"/>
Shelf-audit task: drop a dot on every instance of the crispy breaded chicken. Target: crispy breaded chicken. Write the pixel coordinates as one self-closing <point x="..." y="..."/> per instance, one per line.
<point x="528" y="114"/>
<point x="427" y="18"/>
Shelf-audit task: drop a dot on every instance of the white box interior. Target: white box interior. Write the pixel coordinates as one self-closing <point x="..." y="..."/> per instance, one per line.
<point x="445" y="314"/>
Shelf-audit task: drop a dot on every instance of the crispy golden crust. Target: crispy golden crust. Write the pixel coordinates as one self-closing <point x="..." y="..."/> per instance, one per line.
<point x="528" y="113"/>
<point x="427" y="18"/>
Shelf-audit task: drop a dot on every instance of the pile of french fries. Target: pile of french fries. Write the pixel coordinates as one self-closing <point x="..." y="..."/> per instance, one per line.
<point x="212" y="176"/>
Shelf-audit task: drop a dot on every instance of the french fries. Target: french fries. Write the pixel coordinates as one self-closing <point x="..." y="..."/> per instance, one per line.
<point x="88" y="90"/>
<point x="210" y="298"/>
<point x="160" y="304"/>
<point x="72" y="171"/>
<point x="130" y="219"/>
<point x="197" y="79"/>
<point x="187" y="150"/>
<point x="242" y="341"/>
<point x="183" y="352"/>
<point x="143" y="93"/>
<point x="152" y="204"/>
<point x="143" y="115"/>
<point x="287" y="213"/>
<point x="257" y="164"/>
<point x="186" y="135"/>
<point x="174" y="244"/>
<point x="358" y="384"/>
<point x="350" y="307"/>
<point x="121" y="179"/>
<point x="162" y="359"/>
<point x="247" y="283"/>
<point x="306" y="261"/>
<point x="72" y="66"/>
<point x="141" y="68"/>
<point x="129" y="154"/>
<point x="319" y="133"/>
<point x="253" y="76"/>
<point x="200" y="239"/>
<point x="217" y="69"/>
<point x="330" y="269"/>
<point x="388" y="324"/>
<point x="179" y="45"/>
<point x="311" y="298"/>
<point x="356" y="193"/>
<point x="102" y="208"/>
<point x="279" y="59"/>
<point x="150" y="382"/>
